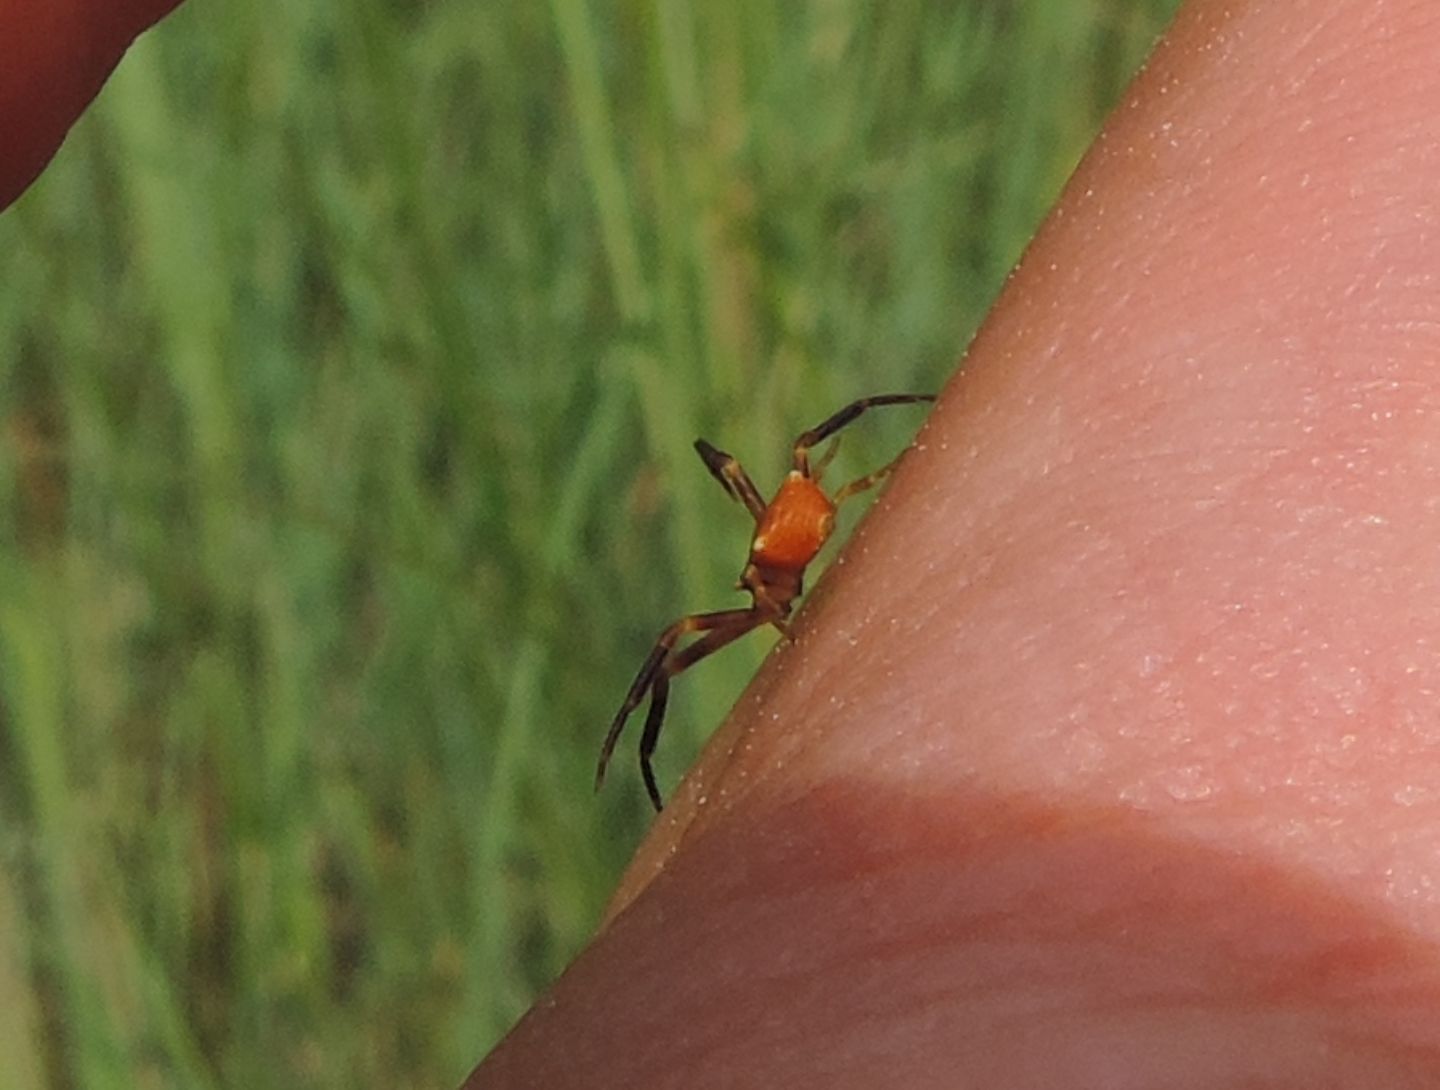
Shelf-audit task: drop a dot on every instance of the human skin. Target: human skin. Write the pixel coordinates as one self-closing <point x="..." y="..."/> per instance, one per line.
<point x="57" y="54"/>
<point x="1109" y="754"/>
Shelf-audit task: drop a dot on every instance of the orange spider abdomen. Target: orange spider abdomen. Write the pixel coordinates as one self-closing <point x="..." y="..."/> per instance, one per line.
<point x="794" y="526"/>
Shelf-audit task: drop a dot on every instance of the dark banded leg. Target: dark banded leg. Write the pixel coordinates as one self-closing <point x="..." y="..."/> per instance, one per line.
<point x="679" y="662"/>
<point x="654" y="719"/>
<point x="830" y="426"/>
<point x="738" y="620"/>
<point x="732" y="477"/>
<point x="870" y="480"/>
<point x="818" y="467"/>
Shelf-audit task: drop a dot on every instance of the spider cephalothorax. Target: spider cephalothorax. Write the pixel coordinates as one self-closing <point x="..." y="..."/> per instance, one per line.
<point x="789" y="531"/>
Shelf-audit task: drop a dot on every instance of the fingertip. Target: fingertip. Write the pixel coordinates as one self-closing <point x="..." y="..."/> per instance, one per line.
<point x="58" y="57"/>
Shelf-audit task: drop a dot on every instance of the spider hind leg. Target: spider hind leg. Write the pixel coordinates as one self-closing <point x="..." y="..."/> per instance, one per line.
<point x="660" y="666"/>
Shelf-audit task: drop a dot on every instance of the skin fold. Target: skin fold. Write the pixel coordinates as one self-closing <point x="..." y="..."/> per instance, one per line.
<point x="1109" y="754"/>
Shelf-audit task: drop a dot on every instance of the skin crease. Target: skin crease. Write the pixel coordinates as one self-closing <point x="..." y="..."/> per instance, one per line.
<point x="1108" y="756"/>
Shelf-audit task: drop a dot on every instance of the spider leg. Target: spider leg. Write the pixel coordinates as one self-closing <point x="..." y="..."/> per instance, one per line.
<point x="743" y="619"/>
<point x="832" y="424"/>
<point x="732" y="477"/>
<point x="870" y="480"/>
<point x="818" y="467"/>
<point x="707" y="644"/>
<point x="659" y="696"/>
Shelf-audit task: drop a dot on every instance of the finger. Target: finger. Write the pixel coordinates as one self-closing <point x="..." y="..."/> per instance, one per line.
<point x="1109" y="753"/>
<point x="1165" y="543"/>
<point x="56" y="56"/>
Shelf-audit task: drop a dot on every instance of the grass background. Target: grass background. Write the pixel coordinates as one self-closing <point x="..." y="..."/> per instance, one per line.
<point x="350" y="359"/>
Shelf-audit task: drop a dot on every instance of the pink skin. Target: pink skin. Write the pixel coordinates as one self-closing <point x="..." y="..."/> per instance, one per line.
<point x="1108" y="757"/>
<point x="1110" y="754"/>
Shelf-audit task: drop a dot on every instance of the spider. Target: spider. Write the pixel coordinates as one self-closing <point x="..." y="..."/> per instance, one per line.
<point x="789" y="531"/>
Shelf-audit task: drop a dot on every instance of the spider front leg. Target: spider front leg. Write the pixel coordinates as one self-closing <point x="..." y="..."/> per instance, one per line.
<point x="828" y="427"/>
<point x="660" y="666"/>
<point x="732" y="477"/>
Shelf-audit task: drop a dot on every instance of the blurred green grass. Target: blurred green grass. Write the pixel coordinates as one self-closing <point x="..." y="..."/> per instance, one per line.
<point x="351" y="358"/>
